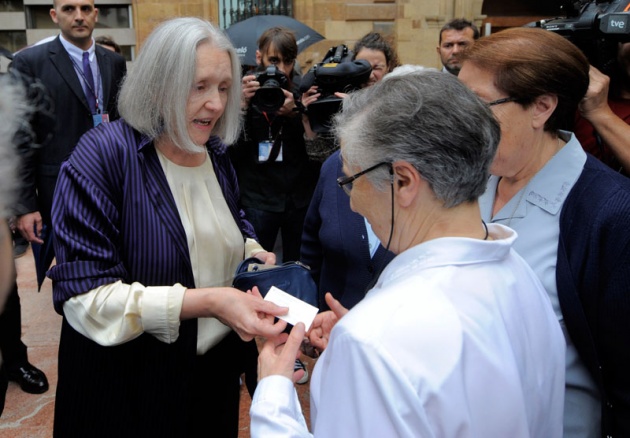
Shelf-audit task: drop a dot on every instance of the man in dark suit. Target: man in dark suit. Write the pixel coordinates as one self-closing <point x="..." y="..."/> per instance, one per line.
<point x="82" y="80"/>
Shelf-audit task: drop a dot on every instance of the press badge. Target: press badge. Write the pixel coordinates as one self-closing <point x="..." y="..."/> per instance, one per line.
<point x="100" y="118"/>
<point x="264" y="150"/>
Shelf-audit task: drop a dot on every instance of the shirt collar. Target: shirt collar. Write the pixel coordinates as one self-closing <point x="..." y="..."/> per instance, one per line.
<point x="76" y="52"/>
<point x="548" y="189"/>
<point x="450" y="251"/>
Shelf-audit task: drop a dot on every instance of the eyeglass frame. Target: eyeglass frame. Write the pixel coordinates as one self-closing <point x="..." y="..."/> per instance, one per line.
<point x="502" y="100"/>
<point x="343" y="181"/>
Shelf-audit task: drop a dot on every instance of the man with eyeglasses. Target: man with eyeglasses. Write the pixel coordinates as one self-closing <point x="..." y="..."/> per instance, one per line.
<point x="455" y="36"/>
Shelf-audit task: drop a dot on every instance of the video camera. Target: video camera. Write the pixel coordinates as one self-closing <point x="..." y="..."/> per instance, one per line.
<point x="336" y="73"/>
<point x="595" y="27"/>
<point x="269" y="97"/>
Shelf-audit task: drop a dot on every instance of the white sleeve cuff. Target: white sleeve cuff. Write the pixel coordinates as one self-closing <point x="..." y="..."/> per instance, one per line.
<point x="160" y="310"/>
<point x="275" y="411"/>
<point x="252" y="248"/>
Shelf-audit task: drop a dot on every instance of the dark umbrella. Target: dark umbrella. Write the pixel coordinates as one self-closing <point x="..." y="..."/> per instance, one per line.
<point x="4" y="52"/>
<point x="43" y="255"/>
<point x="244" y="34"/>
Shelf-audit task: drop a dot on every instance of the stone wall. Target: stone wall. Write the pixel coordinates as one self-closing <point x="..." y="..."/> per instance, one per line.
<point x="414" y="24"/>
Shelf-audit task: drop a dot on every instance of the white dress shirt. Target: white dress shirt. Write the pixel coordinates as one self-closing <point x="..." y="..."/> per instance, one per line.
<point x="457" y="339"/>
<point x="76" y="56"/>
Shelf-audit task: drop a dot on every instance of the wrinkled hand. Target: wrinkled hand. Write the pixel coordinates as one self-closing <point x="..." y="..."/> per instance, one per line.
<point x="596" y="99"/>
<point x="319" y="334"/>
<point x="278" y="354"/>
<point x="248" y="314"/>
<point x="30" y="226"/>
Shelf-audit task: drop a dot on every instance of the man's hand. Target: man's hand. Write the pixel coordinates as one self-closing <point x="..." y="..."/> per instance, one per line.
<point x="311" y="95"/>
<point x="278" y="355"/>
<point x="595" y="102"/>
<point x="319" y="334"/>
<point x="250" y="85"/>
<point x="288" y="106"/>
<point x="30" y="226"/>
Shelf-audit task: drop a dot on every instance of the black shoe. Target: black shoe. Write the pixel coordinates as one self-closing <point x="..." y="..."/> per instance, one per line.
<point x="31" y="379"/>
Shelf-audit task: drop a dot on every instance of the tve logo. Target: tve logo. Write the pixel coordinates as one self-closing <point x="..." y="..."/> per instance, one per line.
<point x="615" y="23"/>
<point x="618" y="24"/>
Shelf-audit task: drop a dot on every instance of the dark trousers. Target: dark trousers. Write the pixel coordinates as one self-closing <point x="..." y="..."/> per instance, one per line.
<point x="289" y="223"/>
<point x="12" y="348"/>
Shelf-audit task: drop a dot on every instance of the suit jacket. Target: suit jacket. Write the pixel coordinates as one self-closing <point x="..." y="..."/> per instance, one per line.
<point x="335" y="242"/>
<point x="51" y="65"/>
<point x="593" y="278"/>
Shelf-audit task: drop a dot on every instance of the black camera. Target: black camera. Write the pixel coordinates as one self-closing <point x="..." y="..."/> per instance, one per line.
<point x="336" y="73"/>
<point x="270" y="97"/>
<point x="595" y="27"/>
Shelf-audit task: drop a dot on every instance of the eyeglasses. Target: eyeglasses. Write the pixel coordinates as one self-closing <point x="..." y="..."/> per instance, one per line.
<point x="503" y="100"/>
<point x="345" y="182"/>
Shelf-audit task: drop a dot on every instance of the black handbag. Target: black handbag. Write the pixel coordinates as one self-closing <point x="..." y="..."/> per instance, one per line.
<point x="292" y="277"/>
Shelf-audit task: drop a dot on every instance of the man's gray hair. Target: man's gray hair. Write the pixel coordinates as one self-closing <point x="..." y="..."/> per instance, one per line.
<point x="14" y="111"/>
<point x="428" y="119"/>
<point x="154" y="94"/>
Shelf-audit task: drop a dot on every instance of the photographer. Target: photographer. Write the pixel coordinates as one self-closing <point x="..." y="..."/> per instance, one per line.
<point x="379" y="53"/>
<point x="275" y="175"/>
<point x="338" y="244"/>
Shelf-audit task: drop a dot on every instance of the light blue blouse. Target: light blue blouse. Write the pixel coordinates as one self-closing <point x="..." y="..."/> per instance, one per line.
<point x="534" y="213"/>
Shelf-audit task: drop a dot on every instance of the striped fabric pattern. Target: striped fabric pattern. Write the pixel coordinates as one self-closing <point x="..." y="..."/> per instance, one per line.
<point x="114" y="216"/>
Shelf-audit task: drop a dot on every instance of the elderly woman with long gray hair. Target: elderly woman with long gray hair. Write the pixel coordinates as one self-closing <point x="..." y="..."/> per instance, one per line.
<point x="148" y="235"/>
<point x="457" y="337"/>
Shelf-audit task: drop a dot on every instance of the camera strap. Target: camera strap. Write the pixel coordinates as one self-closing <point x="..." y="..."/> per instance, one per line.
<point x="277" y="142"/>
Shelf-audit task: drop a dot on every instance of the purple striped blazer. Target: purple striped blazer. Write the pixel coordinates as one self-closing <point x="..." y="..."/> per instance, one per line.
<point x="114" y="217"/>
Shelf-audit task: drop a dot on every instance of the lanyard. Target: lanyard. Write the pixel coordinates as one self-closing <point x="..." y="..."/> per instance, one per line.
<point x="269" y="122"/>
<point x="87" y="83"/>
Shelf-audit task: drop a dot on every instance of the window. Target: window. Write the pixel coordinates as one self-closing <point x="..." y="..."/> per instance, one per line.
<point x="11" y="6"/>
<point x="233" y="11"/>
<point x="13" y="40"/>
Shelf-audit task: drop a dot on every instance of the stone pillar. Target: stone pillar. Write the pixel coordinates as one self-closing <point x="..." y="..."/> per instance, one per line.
<point x="149" y="13"/>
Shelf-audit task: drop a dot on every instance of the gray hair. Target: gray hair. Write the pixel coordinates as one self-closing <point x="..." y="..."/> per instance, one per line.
<point x="154" y="94"/>
<point x="428" y="119"/>
<point x="14" y="111"/>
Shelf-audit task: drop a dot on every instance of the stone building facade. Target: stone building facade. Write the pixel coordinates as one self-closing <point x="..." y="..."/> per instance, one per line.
<point x="414" y="24"/>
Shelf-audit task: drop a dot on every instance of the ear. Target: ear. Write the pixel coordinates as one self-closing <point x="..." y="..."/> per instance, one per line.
<point x="96" y="15"/>
<point x="258" y="57"/>
<point x="53" y="15"/>
<point x="407" y="182"/>
<point x="542" y="108"/>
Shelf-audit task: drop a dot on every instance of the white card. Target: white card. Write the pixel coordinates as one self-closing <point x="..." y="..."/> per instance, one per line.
<point x="299" y="311"/>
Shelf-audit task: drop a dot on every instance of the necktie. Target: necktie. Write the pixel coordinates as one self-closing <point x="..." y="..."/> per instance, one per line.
<point x="90" y="93"/>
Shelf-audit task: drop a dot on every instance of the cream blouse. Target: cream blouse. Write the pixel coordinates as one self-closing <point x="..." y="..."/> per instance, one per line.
<point x="116" y="313"/>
